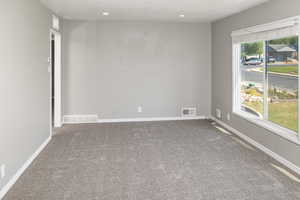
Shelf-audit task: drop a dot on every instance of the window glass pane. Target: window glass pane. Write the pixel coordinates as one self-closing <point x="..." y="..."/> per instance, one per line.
<point x="252" y="78"/>
<point x="282" y="73"/>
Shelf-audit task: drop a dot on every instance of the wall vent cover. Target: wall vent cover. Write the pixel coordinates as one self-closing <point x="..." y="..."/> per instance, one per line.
<point x="189" y="112"/>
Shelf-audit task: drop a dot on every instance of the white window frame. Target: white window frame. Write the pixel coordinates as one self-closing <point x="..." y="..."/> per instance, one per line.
<point x="236" y="104"/>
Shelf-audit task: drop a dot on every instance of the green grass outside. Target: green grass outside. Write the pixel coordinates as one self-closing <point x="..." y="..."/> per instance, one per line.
<point x="282" y="113"/>
<point x="293" y="70"/>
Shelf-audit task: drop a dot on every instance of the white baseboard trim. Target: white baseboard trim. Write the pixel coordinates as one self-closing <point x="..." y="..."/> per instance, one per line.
<point x="146" y="119"/>
<point x="14" y="179"/>
<point x="274" y="155"/>
<point x="91" y="118"/>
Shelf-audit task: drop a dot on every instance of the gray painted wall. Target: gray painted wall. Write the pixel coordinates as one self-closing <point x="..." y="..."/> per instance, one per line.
<point x="222" y="71"/>
<point x="24" y="82"/>
<point x="111" y="68"/>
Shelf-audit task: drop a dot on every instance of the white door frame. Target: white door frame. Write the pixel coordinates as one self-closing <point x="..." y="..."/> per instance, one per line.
<point x="57" y="82"/>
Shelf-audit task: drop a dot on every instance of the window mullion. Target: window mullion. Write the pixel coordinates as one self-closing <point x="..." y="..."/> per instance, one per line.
<point x="238" y="54"/>
<point x="265" y="83"/>
<point x="236" y="77"/>
<point x="298" y="88"/>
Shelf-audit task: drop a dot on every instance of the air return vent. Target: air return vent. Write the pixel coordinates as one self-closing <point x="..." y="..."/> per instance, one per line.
<point x="189" y="112"/>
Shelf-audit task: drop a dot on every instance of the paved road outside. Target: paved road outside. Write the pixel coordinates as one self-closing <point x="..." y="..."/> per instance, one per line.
<point x="277" y="80"/>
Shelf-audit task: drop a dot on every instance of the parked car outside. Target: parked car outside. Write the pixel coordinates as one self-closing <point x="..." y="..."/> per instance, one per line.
<point x="253" y="61"/>
<point x="272" y="59"/>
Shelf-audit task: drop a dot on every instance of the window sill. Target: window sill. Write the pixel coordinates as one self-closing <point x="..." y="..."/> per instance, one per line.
<point x="274" y="128"/>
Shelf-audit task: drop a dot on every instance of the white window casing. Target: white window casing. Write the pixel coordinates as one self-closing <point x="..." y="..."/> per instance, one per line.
<point x="275" y="30"/>
<point x="270" y="31"/>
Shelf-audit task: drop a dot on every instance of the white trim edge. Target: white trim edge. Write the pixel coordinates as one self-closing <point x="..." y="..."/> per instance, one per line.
<point x="274" y="155"/>
<point x="57" y="77"/>
<point x="149" y="119"/>
<point x="17" y="175"/>
<point x="270" y="126"/>
<point x="283" y="23"/>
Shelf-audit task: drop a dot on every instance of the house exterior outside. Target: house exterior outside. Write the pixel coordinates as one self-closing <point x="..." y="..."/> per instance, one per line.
<point x="282" y="52"/>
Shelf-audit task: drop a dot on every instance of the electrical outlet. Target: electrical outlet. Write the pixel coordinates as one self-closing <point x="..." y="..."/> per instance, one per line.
<point x="140" y="109"/>
<point x="2" y="171"/>
<point x="218" y="113"/>
<point x="228" y="116"/>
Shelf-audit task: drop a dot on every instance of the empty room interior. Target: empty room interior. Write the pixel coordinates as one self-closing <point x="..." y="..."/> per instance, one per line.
<point x="149" y="100"/>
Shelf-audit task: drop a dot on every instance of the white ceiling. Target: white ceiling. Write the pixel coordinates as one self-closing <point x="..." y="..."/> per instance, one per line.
<point x="152" y="10"/>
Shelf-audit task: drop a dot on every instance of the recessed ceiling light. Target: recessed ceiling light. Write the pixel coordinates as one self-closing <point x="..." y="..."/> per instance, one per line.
<point x="181" y="16"/>
<point x="105" y="13"/>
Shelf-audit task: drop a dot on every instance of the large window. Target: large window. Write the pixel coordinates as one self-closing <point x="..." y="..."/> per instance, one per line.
<point x="252" y="78"/>
<point x="282" y="75"/>
<point x="266" y="77"/>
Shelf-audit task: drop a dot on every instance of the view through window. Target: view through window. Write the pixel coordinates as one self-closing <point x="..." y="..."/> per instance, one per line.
<point x="269" y="80"/>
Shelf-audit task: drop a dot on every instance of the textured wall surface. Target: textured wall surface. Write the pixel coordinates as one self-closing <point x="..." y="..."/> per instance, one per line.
<point x="111" y="68"/>
<point x="24" y="82"/>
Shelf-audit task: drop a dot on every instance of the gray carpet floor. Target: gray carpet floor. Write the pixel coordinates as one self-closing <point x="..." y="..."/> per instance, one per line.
<point x="179" y="160"/>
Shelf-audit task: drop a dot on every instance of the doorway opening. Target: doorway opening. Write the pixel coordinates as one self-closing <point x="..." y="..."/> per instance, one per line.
<point x="55" y="79"/>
